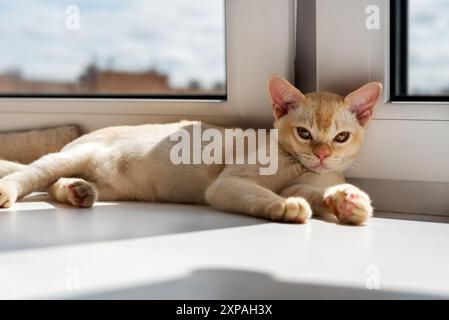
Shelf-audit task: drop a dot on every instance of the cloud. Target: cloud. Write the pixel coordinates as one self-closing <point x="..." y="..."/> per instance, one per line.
<point x="182" y="38"/>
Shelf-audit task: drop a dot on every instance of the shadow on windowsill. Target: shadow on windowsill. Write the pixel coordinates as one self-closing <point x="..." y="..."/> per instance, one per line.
<point x="223" y="284"/>
<point x="37" y="222"/>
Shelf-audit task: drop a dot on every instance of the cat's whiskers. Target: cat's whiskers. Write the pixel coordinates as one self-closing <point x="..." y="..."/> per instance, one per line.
<point x="350" y="164"/>
<point x="307" y="160"/>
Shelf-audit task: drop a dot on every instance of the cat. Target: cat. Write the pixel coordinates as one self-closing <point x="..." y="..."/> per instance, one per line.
<point x="319" y="135"/>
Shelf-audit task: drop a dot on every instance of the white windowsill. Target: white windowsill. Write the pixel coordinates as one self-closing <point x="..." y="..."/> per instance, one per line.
<point x="140" y="250"/>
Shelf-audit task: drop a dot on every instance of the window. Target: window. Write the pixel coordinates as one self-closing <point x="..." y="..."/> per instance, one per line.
<point x="420" y="50"/>
<point x="97" y="48"/>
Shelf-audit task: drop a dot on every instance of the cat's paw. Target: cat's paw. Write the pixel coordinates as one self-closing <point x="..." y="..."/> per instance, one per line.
<point x="293" y="209"/>
<point x="81" y="194"/>
<point x="350" y="204"/>
<point x="8" y="193"/>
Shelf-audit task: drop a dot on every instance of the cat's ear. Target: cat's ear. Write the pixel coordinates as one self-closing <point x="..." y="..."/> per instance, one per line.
<point x="362" y="101"/>
<point x="284" y="96"/>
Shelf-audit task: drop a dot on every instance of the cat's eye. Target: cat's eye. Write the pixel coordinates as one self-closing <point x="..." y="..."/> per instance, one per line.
<point x="304" y="133"/>
<point x="342" y="137"/>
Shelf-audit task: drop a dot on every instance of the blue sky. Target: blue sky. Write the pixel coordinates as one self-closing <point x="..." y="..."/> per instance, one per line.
<point x="429" y="46"/>
<point x="183" y="38"/>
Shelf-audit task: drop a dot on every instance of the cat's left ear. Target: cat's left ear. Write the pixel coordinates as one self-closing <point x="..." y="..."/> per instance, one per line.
<point x="363" y="101"/>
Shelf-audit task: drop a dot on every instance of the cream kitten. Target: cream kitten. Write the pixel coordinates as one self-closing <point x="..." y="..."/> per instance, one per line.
<point x="319" y="135"/>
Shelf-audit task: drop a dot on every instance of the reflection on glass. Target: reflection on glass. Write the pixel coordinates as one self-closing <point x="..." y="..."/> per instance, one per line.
<point x="428" y="71"/>
<point x="94" y="47"/>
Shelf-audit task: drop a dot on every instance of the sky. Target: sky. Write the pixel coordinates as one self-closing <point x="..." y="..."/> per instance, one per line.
<point x="428" y="47"/>
<point x="184" y="38"/>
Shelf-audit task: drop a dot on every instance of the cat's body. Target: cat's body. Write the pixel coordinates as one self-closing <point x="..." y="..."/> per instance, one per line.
<point x="133" y="163"/>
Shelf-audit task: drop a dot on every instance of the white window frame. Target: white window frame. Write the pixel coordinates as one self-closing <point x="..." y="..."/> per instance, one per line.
<point x="370" y="49"/>
<point x="260" y="42"/>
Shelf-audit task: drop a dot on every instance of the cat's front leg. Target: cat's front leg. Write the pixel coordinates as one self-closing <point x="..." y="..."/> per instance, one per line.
<point x="349" y="203"/>
<point x="329" y="195"/>
<point x="245" y="196"/>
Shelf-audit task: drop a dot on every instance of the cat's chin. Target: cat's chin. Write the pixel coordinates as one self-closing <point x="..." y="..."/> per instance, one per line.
<point x="319" y="168"/>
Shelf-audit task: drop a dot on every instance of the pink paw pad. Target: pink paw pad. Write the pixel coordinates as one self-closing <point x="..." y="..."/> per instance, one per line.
<point x="81" y="195"/>
<point x="352" y="196"/>
<point x="76" y="196"/>
<point x="345" y="208"/>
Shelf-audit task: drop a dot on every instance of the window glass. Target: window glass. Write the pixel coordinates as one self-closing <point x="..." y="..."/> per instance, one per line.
<point x="172" y="48"/>
<point x="428" y="47"/>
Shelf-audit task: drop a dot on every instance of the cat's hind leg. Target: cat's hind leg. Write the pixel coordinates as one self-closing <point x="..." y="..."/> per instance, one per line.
<point x="74" y="191"/>
<point x="42" y="173"/>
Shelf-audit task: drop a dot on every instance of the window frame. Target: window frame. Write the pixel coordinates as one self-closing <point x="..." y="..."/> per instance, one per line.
<point x="399" y="38"/>
<point x="369" y="49"/>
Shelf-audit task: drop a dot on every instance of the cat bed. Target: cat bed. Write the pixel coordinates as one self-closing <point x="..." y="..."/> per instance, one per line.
<point x="27" y="146"/>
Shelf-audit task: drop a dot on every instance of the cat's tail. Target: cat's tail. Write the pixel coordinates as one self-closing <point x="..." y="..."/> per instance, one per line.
<point x="7" y="167"/>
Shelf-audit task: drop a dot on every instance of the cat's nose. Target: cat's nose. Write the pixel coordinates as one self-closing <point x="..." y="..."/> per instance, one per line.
<point x="322" y="152"/>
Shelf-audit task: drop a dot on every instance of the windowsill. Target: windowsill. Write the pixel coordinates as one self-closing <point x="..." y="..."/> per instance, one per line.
<point x="140" y="250"/>
<point x="412" y="111"/>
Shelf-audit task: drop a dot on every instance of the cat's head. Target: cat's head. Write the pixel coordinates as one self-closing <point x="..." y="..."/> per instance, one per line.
<point x="322" y="130"/>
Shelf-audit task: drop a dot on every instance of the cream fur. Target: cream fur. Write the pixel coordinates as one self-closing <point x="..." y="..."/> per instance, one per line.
<point x="132" y="163"/>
